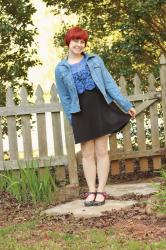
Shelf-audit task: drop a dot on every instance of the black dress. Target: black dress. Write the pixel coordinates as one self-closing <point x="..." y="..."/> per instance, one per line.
<point x="96" y="118"/>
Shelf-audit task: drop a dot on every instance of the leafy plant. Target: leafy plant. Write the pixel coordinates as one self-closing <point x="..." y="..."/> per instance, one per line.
<point x="29" y="183"/>
<point x="17" y="49"/>
<point x="160" y="196"/>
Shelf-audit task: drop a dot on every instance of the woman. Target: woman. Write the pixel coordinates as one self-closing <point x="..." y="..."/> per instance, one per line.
<point x="91" y="101"/>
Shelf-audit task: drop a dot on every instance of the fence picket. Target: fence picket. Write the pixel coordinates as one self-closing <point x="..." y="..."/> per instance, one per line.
<point x="11" y="125"/>
<point x="41" y="125"/>
<point x="163" y="87"/>
<point x="70" y="147"/>
<point x="1" y="142"/>
<point x="129" y="168"/>
<point x="26" y="127"/>
<point x="115" y="168"/>
<point x="140" y="127"/>
<point x="57" y="134"/>
<point x="154" y="124"/>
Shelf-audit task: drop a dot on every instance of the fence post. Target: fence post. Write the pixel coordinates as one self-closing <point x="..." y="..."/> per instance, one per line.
<point x="70" y="148"/>
<point x="163" y="87"/>
<point x="57" y="135"/>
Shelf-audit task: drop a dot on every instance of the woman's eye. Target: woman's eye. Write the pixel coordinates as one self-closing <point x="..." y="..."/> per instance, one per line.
<point x="78" y="41"/>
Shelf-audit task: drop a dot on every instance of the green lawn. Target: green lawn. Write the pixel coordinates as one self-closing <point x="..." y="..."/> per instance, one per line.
<point x="30" y="236"/>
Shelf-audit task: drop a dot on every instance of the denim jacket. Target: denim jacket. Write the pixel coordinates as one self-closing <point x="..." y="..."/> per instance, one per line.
<point x="103" y="79"/>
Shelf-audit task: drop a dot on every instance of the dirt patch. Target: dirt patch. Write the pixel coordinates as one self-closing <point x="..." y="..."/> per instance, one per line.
<point x="133" y="223"/>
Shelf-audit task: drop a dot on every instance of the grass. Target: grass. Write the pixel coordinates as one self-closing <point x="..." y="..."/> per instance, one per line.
<point x="27" y="236"/>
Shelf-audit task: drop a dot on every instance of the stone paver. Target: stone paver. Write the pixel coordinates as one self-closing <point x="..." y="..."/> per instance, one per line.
<point x="78" y="209"/>
<point x="136" y="188"/>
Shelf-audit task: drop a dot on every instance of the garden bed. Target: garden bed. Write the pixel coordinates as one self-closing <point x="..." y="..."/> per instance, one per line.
<point x="134" y="222"/>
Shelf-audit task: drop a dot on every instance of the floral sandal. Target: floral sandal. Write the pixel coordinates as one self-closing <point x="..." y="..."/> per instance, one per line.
<point x="99" y="203"/>
<point x="89" y="203"/>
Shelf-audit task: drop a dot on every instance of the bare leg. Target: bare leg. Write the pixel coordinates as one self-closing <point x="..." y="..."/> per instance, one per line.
<point x="103" y="164"/>
<point x="89" y="166"/>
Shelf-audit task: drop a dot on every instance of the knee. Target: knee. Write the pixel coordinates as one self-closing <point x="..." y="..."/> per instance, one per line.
<point x="88" y="155"/>
<point x="87" y="150"/>
<point x="101" y="147"/>
<point x="101" y="152"/>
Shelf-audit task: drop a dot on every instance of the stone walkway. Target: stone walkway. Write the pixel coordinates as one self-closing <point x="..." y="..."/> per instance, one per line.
<point x="117" y="190"/>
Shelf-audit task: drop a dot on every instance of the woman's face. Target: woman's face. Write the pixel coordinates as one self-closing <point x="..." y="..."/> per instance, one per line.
<point x="76" y="46"/>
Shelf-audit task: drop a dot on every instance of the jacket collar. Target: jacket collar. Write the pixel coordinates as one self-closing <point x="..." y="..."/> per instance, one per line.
<point x="87" y="56"/>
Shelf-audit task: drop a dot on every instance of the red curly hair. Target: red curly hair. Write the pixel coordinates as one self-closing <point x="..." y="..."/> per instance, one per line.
<point x="76" y="33"/>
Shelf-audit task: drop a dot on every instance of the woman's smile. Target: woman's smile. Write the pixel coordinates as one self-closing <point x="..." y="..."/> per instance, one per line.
<point x="77" y="46"/>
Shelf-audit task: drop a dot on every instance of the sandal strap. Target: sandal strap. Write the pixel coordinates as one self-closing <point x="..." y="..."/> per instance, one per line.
<point x="88" y="193"/>
<point x="102" y="193"/>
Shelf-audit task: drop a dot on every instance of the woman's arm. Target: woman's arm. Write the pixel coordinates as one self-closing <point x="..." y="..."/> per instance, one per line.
<point x="113" y="89"/>
<point x="63" y="94"/>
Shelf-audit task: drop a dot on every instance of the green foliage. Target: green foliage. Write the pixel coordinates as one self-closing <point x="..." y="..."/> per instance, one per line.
<point x="160" y="196"/>
<point x="28" y="184"/>
<point x="128" y="34"/>
<point x="16" y="45"/>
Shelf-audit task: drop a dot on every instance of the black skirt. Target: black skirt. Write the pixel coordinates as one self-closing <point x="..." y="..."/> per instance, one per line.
<point x="96" y="118"/>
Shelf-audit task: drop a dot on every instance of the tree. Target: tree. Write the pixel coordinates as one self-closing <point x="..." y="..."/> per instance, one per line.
<point x="128" y="34"/>
<point x="16" y="40"/>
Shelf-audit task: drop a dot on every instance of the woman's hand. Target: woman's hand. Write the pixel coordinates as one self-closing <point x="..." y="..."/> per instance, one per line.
<point x="132" y="112"/>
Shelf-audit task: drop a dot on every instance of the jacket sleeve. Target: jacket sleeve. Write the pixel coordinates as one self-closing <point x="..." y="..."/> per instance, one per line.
<point x="113" y="89"/>
<point x="63" y="94"/>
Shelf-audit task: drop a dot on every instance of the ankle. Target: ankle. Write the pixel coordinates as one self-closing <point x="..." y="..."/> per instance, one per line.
<point x="92" y="190"/>
<point x="100" y="190"/>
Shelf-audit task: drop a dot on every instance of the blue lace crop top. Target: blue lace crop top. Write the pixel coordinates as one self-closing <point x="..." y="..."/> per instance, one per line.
<point x="82" y="76"/>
